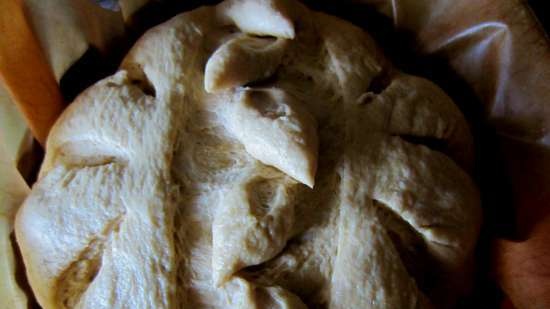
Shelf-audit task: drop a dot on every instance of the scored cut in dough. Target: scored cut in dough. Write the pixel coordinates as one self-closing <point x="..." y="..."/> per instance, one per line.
<point x="254" y="154"/>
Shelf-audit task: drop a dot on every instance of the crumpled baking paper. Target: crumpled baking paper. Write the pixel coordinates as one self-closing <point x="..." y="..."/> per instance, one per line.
<point x="66" y="28"/>
<point x="495" y="46"/>
<point x="13" y="190"/>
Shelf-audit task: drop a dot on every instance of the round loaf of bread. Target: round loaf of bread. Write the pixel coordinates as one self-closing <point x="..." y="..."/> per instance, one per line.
<point x="253" y="154"/>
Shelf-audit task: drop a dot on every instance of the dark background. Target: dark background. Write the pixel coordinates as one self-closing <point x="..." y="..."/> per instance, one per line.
<point x="541" y="9"/>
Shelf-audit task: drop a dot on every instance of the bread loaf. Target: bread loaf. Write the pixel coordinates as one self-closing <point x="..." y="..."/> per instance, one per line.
<point x="253" y="154"/>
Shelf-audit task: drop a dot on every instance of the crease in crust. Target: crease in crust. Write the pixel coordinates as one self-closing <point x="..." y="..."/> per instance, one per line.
<point x="230" y="65"/>
<point x="421" y="113"/>
<point x="252" y="224"/>
<point x="75" y="279"/>
<point x="242" y="294"/>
